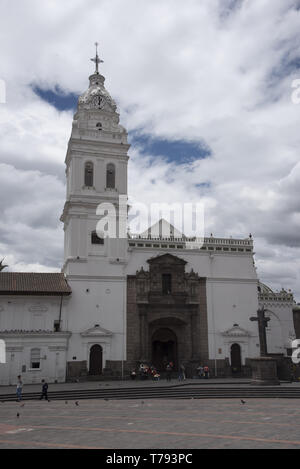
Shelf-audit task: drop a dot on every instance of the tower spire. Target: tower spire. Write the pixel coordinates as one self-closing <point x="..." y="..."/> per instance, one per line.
<point x="96" y="59"/>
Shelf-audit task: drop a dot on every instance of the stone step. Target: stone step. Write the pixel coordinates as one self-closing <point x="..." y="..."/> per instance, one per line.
<point x="167" y="392"/>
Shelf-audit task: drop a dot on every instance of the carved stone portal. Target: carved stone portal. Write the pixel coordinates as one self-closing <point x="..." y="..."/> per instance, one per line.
<point x="166" y="314"/>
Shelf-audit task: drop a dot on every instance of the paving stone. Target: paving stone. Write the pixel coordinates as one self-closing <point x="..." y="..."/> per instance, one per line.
<point x="157" y="423"/>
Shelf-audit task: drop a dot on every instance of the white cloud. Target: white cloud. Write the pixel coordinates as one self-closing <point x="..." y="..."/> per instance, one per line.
<point x="216" y="70"/>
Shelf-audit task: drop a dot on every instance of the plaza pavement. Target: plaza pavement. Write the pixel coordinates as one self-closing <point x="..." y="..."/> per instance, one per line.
<point x="151" y="423"/>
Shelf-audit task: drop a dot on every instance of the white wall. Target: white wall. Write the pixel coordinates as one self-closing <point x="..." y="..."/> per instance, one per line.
<point x="280" y="329"/>
<point x="27" y="322"/>
<point x="104" y="304"/>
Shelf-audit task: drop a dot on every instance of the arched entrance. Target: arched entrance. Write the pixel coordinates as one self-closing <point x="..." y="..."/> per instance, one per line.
<point x="236" y="359"/>
<point x="164" y="348"/>
<point x="95" y="360"/>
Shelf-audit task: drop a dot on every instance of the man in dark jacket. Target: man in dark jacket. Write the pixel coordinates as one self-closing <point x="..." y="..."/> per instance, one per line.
<point x="44" y="390"/>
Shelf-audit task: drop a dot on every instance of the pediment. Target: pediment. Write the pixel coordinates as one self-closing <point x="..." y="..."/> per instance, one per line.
<point x="236" y="331"/>
<point x="162" y="229"/>
<point x="96" y="331"/>
<point x="166" y="259"/>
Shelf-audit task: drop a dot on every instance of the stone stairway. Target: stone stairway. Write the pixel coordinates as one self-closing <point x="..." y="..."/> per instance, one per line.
<point x="178" y="391"/>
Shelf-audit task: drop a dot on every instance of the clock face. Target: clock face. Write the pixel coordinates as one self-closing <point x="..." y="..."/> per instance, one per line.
<point x="99" y="102"/>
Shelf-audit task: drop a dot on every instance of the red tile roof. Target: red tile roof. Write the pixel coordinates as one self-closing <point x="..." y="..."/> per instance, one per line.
<point x="27" y="283"/>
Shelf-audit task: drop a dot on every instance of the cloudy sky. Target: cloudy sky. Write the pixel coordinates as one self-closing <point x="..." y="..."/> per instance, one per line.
<point x="204" y="89"/>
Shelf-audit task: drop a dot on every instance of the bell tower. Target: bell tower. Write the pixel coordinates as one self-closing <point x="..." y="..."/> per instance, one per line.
<point x="96" y="172"/>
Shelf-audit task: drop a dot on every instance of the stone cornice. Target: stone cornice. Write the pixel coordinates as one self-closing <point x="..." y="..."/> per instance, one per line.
<point x="231" y="280"/>
<point x="92" y="278"/>
<point x="35" y="334"/>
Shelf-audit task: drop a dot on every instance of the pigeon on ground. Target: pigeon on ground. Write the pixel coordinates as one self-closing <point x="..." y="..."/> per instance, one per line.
<point x="22" y="405"/>
<point x="76" y="403"/>
<point x="66" y="402"/>
<point x="243" y="402"/>
<point x="18" y="415"/>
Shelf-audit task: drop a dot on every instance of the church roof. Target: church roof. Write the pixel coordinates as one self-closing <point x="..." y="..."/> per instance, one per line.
<point x="28" y="283"/>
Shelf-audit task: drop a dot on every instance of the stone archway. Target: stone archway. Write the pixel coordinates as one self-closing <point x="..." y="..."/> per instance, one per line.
<point x="236" y="358"/>
<point x="164" y="348"/>
<point x="96" y="354"/>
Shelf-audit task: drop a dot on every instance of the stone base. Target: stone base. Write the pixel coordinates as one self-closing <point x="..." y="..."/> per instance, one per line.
<point x="76" y="370"/>
<point x="264" y="372"/>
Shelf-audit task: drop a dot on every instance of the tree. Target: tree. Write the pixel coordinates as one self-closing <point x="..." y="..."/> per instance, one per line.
<point x="2" y="266"/>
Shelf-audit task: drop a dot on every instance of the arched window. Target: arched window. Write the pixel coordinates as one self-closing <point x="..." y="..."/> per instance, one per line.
<point x="110" y="176"/>
<point x="89" y="174"/>
<point x="35" y="358"/>
<point x="95" y="239"/>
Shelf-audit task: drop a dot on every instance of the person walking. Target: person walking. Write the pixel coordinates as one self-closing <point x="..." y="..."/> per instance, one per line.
<point x="44" y="390"/>
<point x="19" y="388"/>
<point x="169" y="371"/>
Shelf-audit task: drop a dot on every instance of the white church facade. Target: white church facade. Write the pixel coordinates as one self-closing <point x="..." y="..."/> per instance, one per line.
<point x="124" y="300"/>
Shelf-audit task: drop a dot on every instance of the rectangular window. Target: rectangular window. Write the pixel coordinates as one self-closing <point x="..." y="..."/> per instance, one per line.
<point x="35" y="358"/>
<point x="166" y="284"/>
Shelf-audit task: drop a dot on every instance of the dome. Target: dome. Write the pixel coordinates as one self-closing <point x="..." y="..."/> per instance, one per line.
<point x="264" y="289"/>
<point x="97" y="97"/>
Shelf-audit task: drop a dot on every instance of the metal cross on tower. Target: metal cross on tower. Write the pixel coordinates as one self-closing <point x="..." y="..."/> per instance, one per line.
<point x="96" y="59"/>
<point x="262" y="325"/>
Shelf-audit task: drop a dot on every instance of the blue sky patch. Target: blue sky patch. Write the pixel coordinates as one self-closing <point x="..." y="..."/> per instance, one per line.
<point x="57" y="98"/>
<point x="179" y="151"/>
